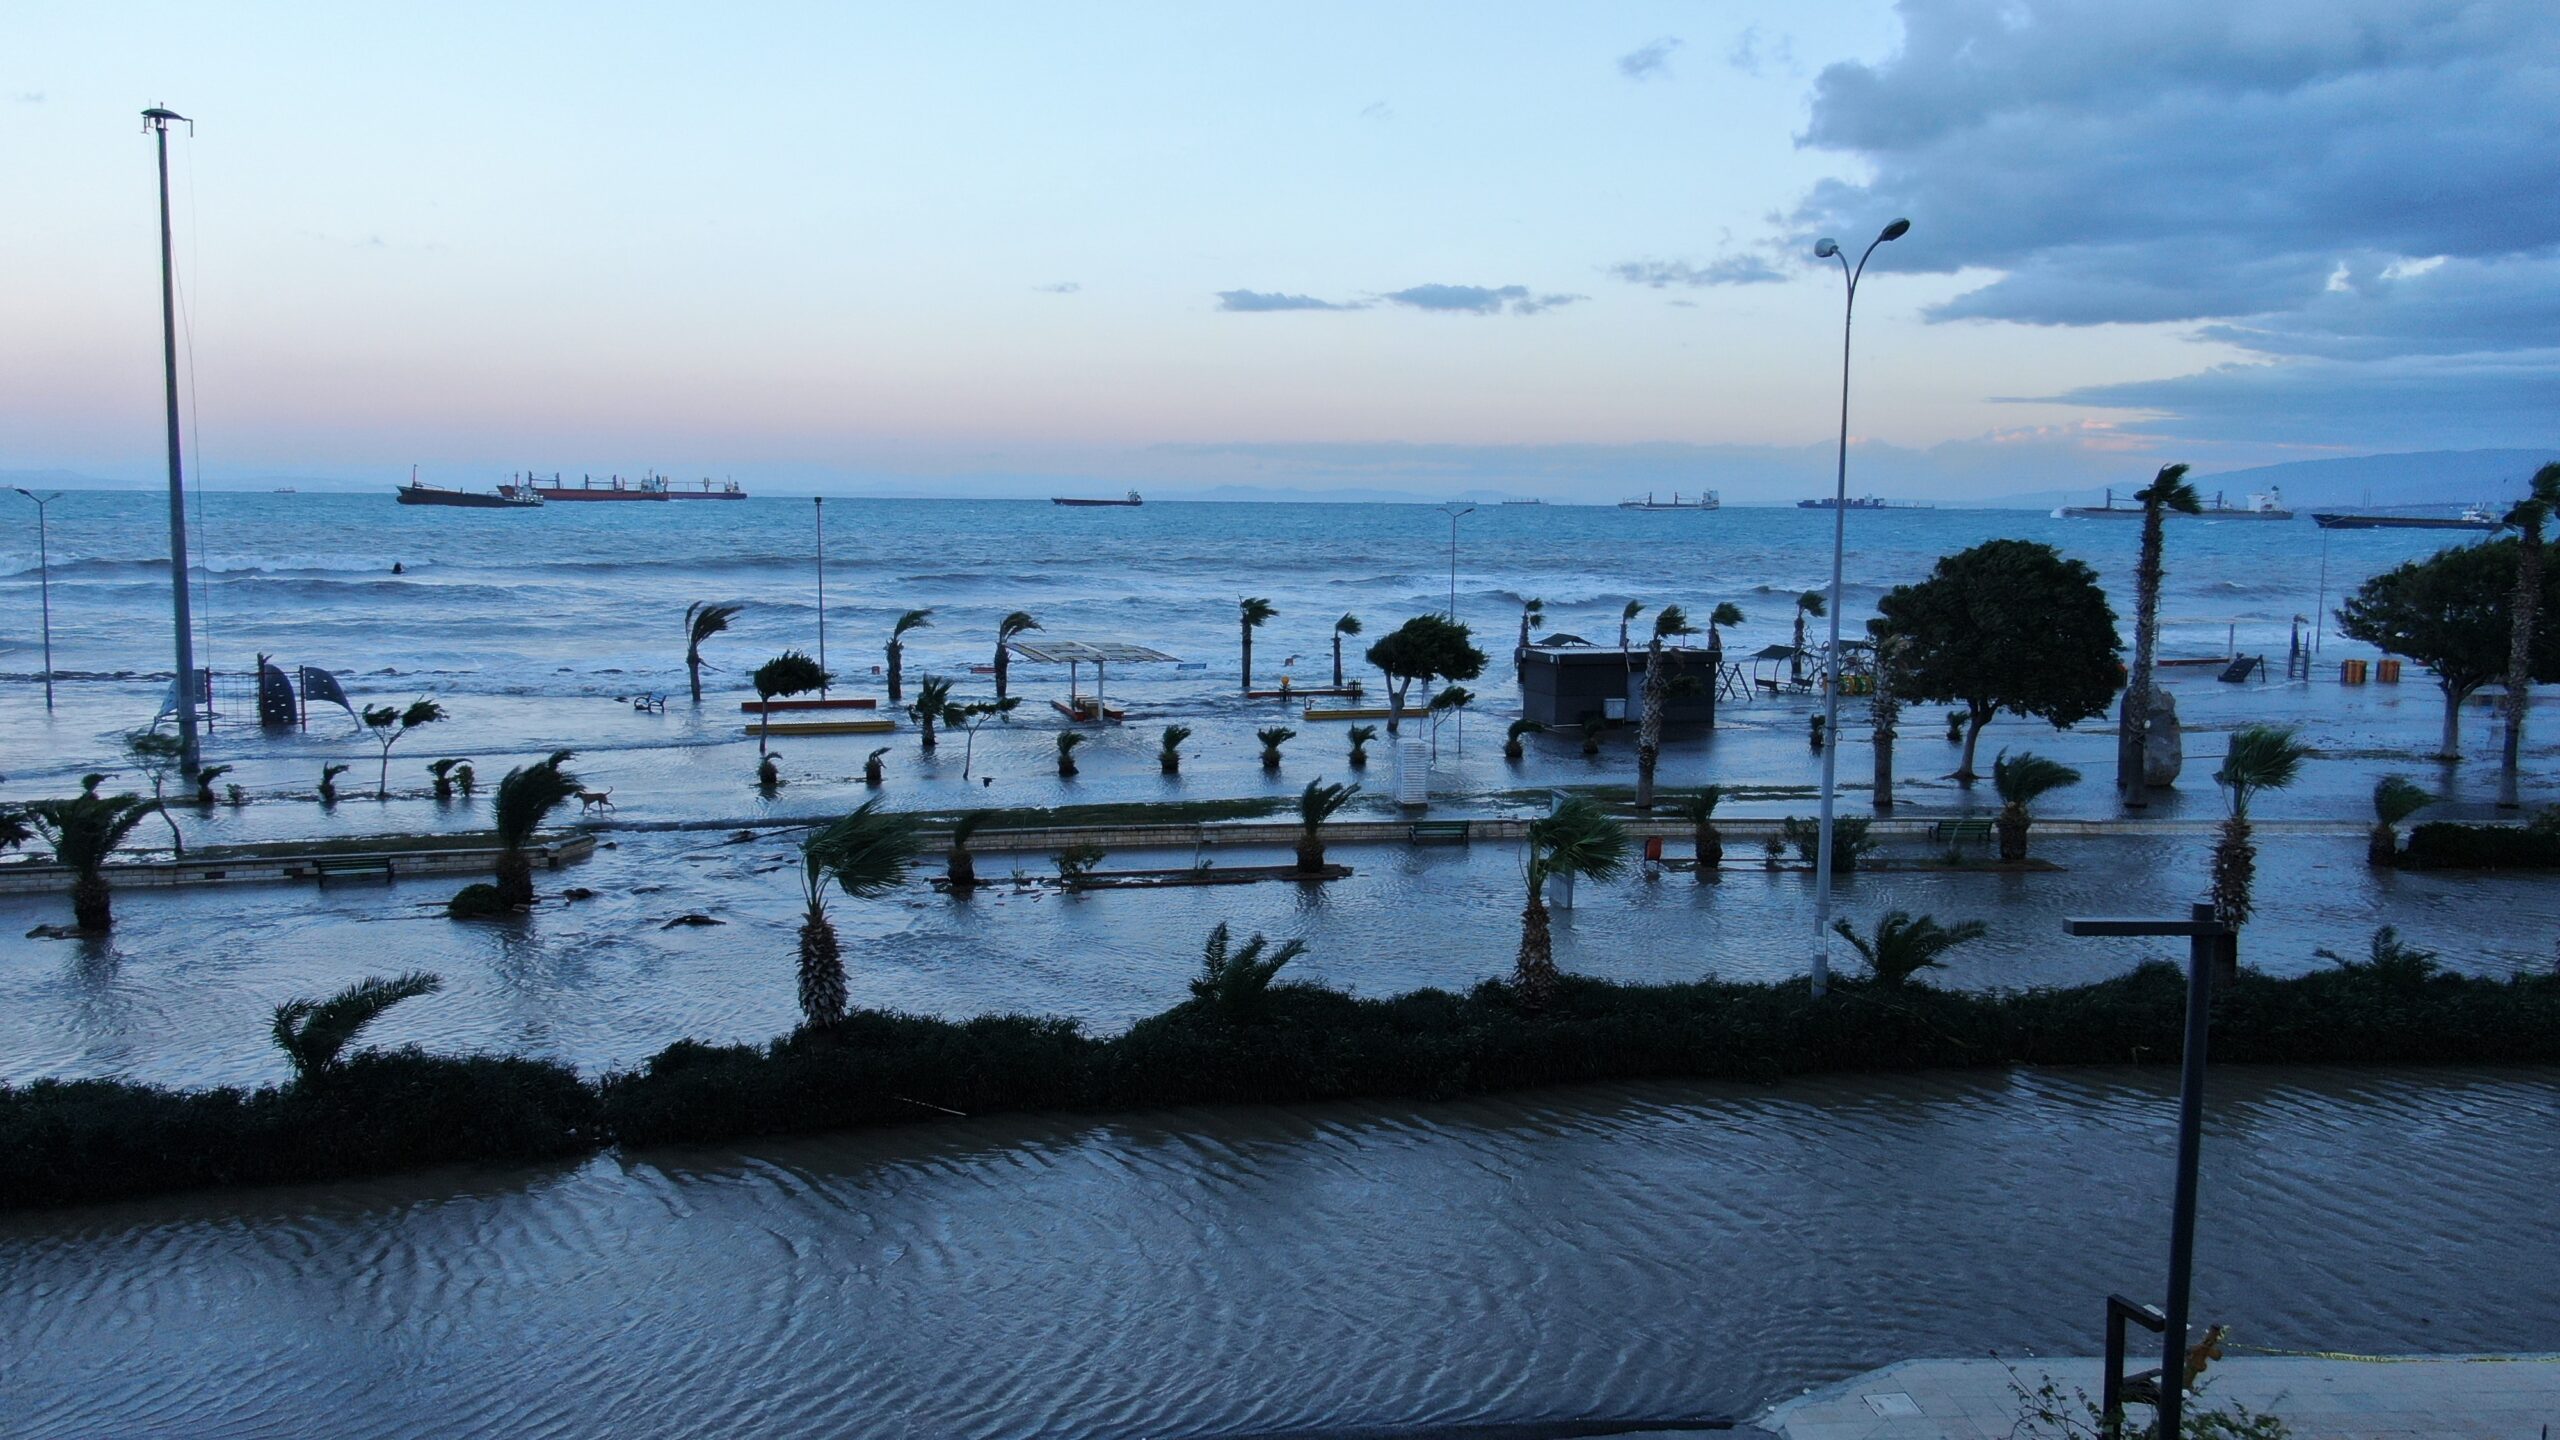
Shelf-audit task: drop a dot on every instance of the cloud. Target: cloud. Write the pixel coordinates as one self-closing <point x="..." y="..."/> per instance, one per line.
<point x="1753" y="53"/>
<point x="2354" y="183"/>
<point x="1650" y="59"/>
<point x="1063" y="287"/>
<point x="30" y="97"/>
<point x="1377" y="110"/>
<point x="1479" y="299"/>
<point x="1257" y="301"/>
<point x="1737" y="269"/>
<point x="2403" y="403"/>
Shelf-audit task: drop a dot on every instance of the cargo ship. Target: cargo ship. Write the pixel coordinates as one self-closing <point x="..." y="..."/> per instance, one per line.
<point x="1862" y="502"/>
<point x="2472" y="518"/>
<point x="504" y="497"/>
<point x="1079" y="501"/>
<point x="2266" y="506"/>
<point x="1705" y="500"/>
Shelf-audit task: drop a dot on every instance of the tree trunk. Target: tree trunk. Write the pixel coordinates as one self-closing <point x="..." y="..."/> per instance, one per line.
<point x="2520" y="660"/>
<point x="1171" y="761"/>
<point x="693" y="671"/>
<point x="924" y="727"/>
<point x="1270" y="759"/>
<point x="1887" y="712"/>
<point x="1514" y="751"/>
<point x="90" y="907"/>
<point x="1004" y="669"/>
<point x="1310" y="854"/>
<point x="1066" y="767"/>
<point x="1534" y="975"/>
<point x="2011" y="826"/>
<point x="1972" y="737"/>
<point x="1395" y="706"/>
<point x="897" y="656"/>
<point x="822" y="989"/>
<point x="515" y="878"/>
<point x="2450" y="747"/>
<point x="2235" y="870"/>
<point x="1337" y="659"/>
<point x="1649" y="744"/>
<point x="1248" y="657"/>
<point x="2134" y="726"/>
<point x="2383" y="849"/>
<point x="963" y="870"/>
<point x="1710" y="849"/>
<point x="873" y="772"/>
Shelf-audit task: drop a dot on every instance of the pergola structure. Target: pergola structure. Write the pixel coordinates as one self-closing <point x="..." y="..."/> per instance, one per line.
<point x="1075" y="655"/>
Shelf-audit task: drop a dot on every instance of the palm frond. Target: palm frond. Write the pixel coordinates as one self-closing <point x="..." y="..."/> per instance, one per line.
<point x="1255" y="610"/>
<point x="1903" y="945"/>
<point x="968" y="824"/>
<point x="2029" y="777"/>
<point x="1236" y="983"/>
<point x="1068" y="740"/>
<point x="1725" y="613"/>
<point x="2170" y="491"/>
<point x="1699" y="806"/>
<point x="1814" y="603"/>
<point x="313" y="1033"/>
<point x="1349" y="624"/>
<point x="1578" y="839"/>
<point x="1524" y="726"/>
<point x="1671" y="620"/>
<point x="1174" y="735"/>
<point x="2397" y="797"/>
<point x="912" y="620"/>
<point x="528" y="794"/>
<point x="1319" y="802"/>
<point x="1014" y="624"/>
<point x="868" y="852"/>
<point x="703" y="620"/>
<point x="2261" y="757"/>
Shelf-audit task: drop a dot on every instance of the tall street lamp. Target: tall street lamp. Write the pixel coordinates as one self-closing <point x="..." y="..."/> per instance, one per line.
<point x="44" y="585"/>
<point x="818" y="503"/>
<point x="156" y="120"/>
<point x="1830" y="250"/>
<point x="1453" y="512"/>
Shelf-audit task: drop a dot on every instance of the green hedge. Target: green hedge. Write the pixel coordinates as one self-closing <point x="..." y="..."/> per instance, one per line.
<point x="72" y="1142"/>
<point x="2444" y="845"/>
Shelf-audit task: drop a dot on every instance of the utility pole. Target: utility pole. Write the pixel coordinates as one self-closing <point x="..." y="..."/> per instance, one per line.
<point x="819" y="504"/>
<point x="190" y="758"/>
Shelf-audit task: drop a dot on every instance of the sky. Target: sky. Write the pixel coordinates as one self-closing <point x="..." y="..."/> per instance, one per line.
<point x="1545" y="249"/>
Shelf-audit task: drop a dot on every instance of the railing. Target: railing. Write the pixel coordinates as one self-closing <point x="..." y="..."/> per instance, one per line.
<point x="2115" y="1387"/>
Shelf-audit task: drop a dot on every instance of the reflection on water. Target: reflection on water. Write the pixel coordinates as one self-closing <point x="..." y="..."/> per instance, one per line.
<point x="1625" y="1251"/>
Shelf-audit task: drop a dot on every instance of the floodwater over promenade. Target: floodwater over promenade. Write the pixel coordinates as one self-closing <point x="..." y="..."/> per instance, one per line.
<point x="1642" y="1251"/>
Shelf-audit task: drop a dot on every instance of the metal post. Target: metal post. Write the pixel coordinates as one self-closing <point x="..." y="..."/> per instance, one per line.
<point x="820" y="503"/>
<point x="189" y="757"/>
<point x="2202" y="952"/>
<point x="44" y="584"/>
<point x="1453" y="513"/>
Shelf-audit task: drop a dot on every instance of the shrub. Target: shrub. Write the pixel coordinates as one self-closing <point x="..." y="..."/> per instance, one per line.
<point x="478" y="901"/>
<point x="2447" y="845"/>
<point x="1850" y="841"/>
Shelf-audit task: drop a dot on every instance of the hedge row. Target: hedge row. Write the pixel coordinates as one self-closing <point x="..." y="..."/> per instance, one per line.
<point x="63" y="1143"/>
<point x="2444" y="845"/>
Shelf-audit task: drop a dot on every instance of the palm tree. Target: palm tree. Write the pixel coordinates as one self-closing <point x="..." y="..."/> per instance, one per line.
<point x="789" y="673"/>
<point x="1272" y="737"/>
<point x="912" y="620"/>
<point x="1626" y="618"/>
<point x="2168" y="491"/>
<point x="1698" y="807"/>
<point x="961" y="867"/>
<point x="2261" y="757"/>
<point x="1725" y="613"/>
<point x="769" y="773"/>
<point x="1317" y="804"/>
<point x="701" y="622"/>
<point x="1236" y="987"/>
<point x="1360" y="736"/>
<point x="329" y="782"/>
<point x="14" y="830"/>
<point x="2395" y="799"/>
<point x="443" y="770"/>
<point x="1903" y="947"/>
<point x="873" y="772"/>
<point x="204" y="782"/>
<point x="2020" y="783"/>
<point x="83" y="831"/>
<point x="313" y="1033"/>
<point x="1810" y="604"/>
<point x="1669" y="621"/>
<point x="1884" y="709"/>
<point x="933" y="707"/>
<point x="1252" y="612"/>
<point x="1068" y="740"/>
<point x="391" y="725"/>
<point x="526" y="797"/>
<point x="1531" y="612"/>
<point x="867" y="854"/>
<point x="1017" y="623"/>
<point x="1578" y="839"/>
<point x="1170" y="755"/>
<point x="1513" y="737"/>
<point x="1349" y="624"/>
<point x="2528" y="518"/>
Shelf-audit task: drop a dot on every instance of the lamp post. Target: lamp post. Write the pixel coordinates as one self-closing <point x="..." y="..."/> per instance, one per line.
<point x="1453" y="512"/>
<point x="156" y="120"/>
<point x="44" y="585"/>
<point x="1830" y="250"/>
<point x="819" y="504"/>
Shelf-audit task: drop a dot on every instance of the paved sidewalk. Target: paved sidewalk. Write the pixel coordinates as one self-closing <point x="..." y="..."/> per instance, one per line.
<point x="2496" y="1397"/>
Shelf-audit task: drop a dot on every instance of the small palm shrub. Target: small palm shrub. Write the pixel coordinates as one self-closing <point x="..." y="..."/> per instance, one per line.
<point x="1698" y="807"/>
<point x="1169" y="754"/>
<point x="1903" y="946"/>
<point x="1272" y="738"/>
<point x="2020" y="783"/>
<point x="1068" y="740"/>
<point x="1076" y="862"/>
<point x="1235" y="985"/>
<point x="1360" y="736"/>
<point x="313" y="1033"/>
<point x="1513" y="747"/>
<point x="1850" y="841"/>
<point x="1317" y="804"/>
<point x="2395" y="799"/>
<point x="329" y="782"/>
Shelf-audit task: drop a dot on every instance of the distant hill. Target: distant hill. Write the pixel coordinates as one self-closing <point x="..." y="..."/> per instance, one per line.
<point x="2427" y="477"/>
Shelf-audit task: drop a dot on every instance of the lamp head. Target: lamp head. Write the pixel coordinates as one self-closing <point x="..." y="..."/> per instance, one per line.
<point x="1895" y="231"/>
<point x="1825" y="248"/>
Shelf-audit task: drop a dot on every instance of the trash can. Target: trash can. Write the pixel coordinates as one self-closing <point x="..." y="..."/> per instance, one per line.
<point x="2386" y="672"/>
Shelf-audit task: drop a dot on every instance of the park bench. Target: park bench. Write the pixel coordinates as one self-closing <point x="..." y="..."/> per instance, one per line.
<point x="1439" y="832"/>
<point x="327" y="866"/>
<point x="1956" y="832"/>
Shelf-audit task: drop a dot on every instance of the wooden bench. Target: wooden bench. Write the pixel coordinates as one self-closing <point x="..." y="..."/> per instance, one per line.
<point x="1956" y="832"/>
<point x="325" y="866"/>
<point x="1438" y="832"/>
<point x="778" y="728"/>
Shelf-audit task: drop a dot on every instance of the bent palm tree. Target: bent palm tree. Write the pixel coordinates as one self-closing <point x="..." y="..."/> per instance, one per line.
<point x="1579" y="840"/>
<point x="83" y="831"/>
<point x="1349" y="624"/>
<point x="1514" y="737"/>
<point x="961" y="867"/>
<point x="1903" y="947"/>
<point x="789" y="673"/>
<point x="1068" y="740"/>
<point x="867" y="854"/>
<point x="912" y="620"/>
<point x="1236" y="986"/>
<point x="1626" y="618"/>
<point x="2395" y="799"/>
<point x="1531" y="612"/>
<point x="1360" y="736"/>
<point x="2262" y="757"/>
<point x="1671" y="620"/>
<point x="1810" y="604"/>
<point x="1169" y="755"/>
<point x="1252" y="612"/>
<point x="701" y="622"/>
<point x="526" y="797"/>
<point x="1698" y="807"/>
<point x="2168" y="491"/>
<point x="2020" y="783"/>
<point x="1017" y="623"/>
<point x="314" y="1033"/>
<point x="933" y="707"/>
<point x="1725" y="613"/>
<point x="1317" y="804"/>
<point x="2527" y="518"/>
<point x="443" y="770"/>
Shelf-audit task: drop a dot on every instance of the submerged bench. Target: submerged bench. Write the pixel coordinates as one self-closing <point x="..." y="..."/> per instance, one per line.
<point x="1956" y="832"/>
<point x="1439" y="832"/>
<point x="322" y="867"/>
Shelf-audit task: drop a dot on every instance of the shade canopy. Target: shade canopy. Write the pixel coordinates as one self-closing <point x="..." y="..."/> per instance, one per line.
<point x="1096" y="652"/>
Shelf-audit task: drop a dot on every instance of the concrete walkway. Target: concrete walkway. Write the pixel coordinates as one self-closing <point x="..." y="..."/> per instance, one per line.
<point x="2494" y="1397"/>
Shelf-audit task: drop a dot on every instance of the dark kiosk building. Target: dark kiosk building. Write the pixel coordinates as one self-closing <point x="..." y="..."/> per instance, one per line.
<point x="1564" y="679"/>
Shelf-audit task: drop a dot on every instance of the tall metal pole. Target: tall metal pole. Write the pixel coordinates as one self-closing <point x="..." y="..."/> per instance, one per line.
<point x="2202" y="952"/>
<point x="1453" y="515"/>
<point x="820" y="503"/>
<point x="44" y="585"/>
<point x="189" y="758"/>
<point x="1821" y="975"/>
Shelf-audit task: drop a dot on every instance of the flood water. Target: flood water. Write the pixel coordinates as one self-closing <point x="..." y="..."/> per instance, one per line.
<point x="1634" y="1252"/>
